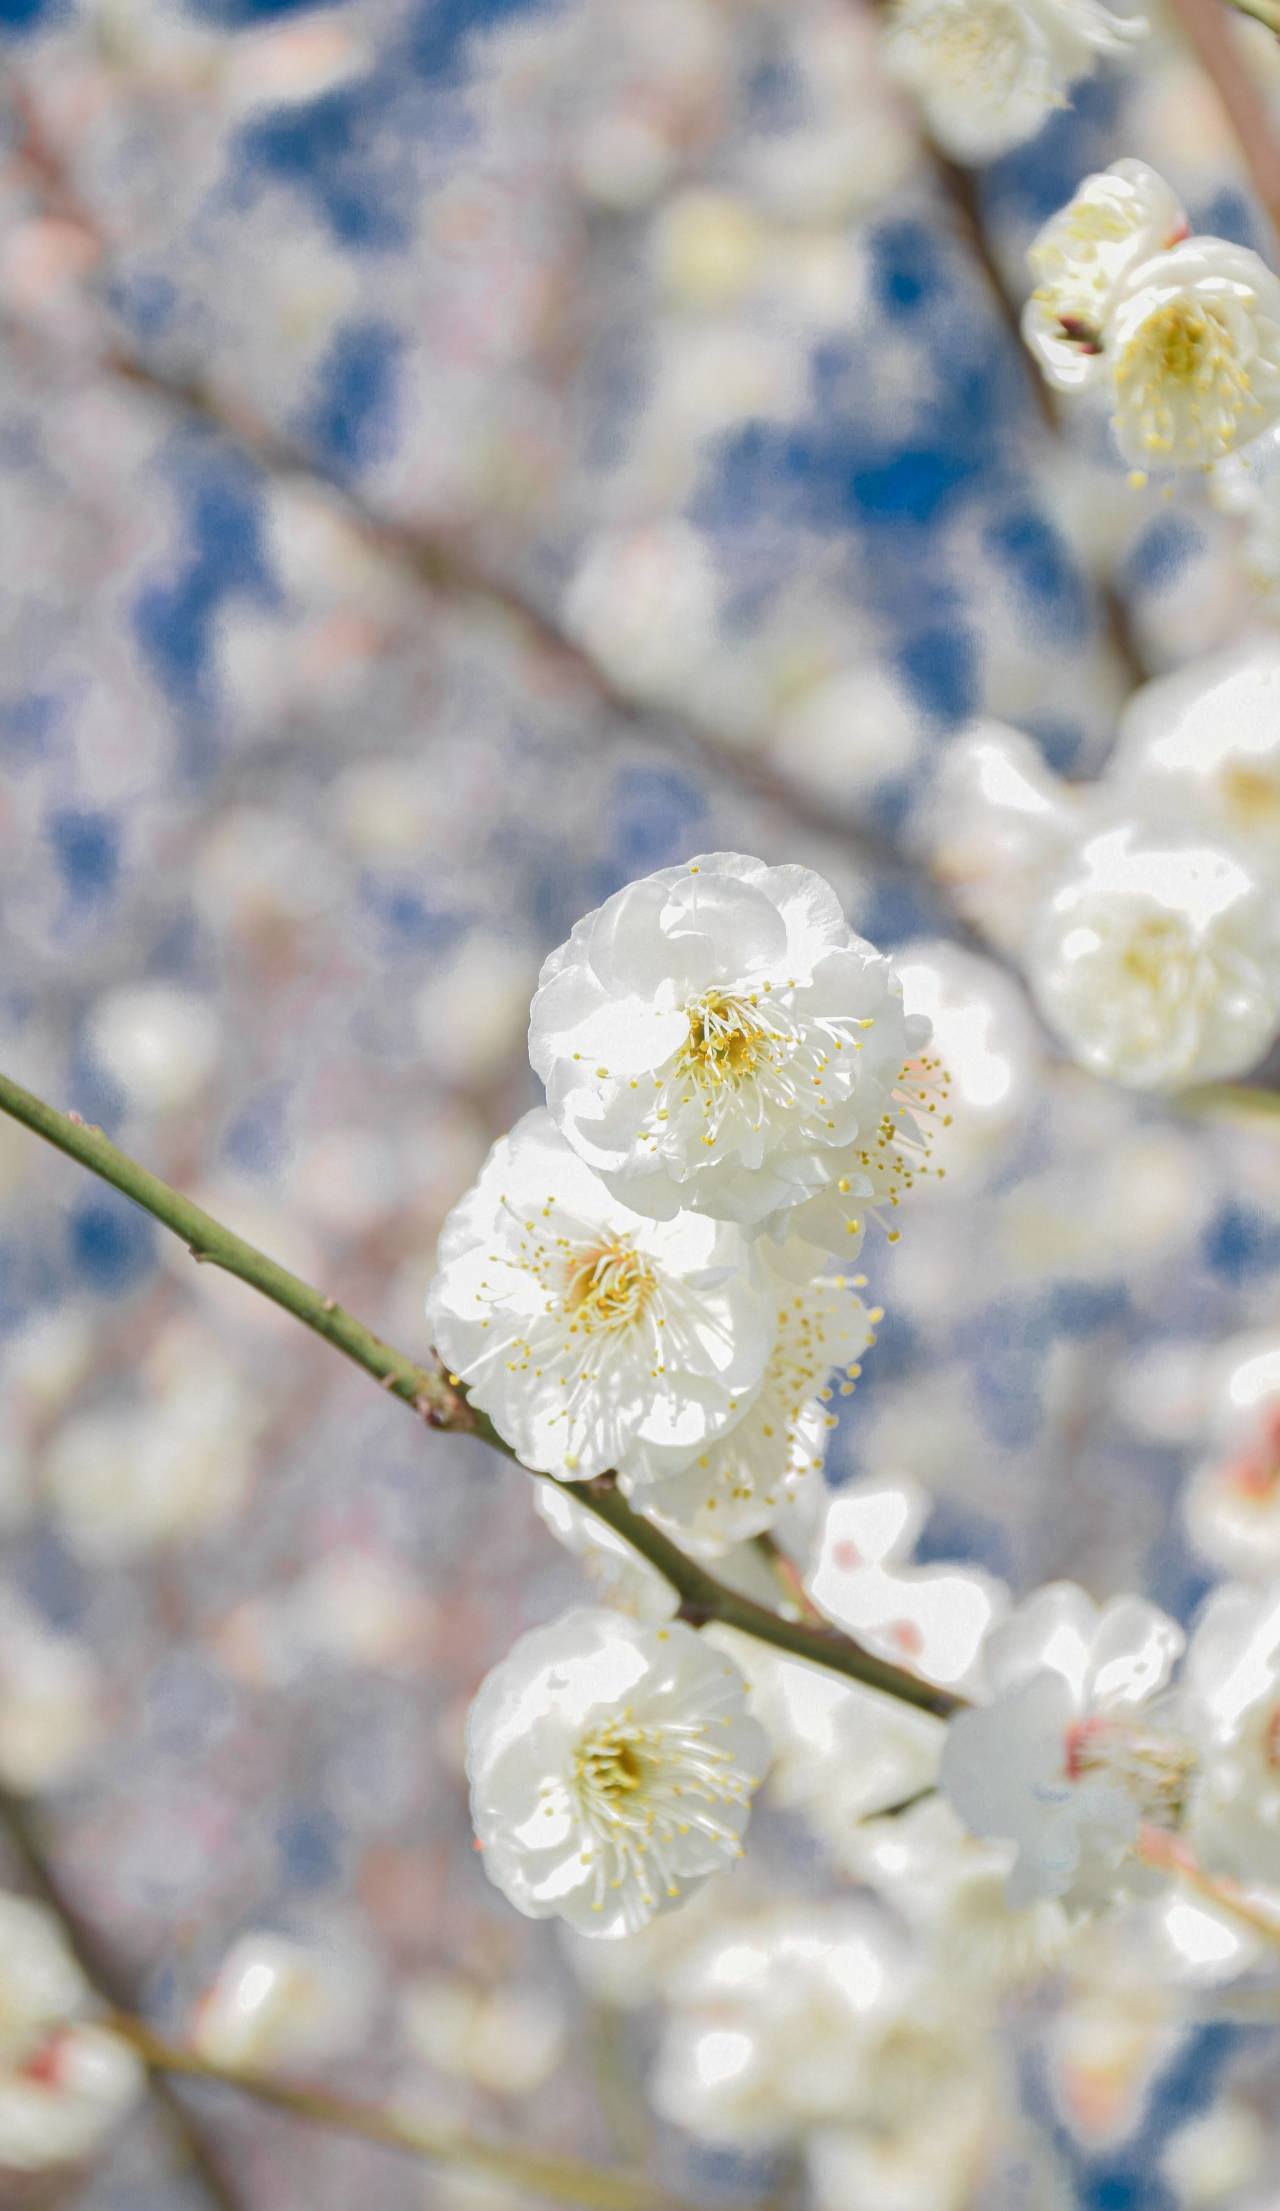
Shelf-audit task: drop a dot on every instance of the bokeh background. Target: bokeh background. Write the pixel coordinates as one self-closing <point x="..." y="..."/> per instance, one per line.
<point x="457" y="455"/>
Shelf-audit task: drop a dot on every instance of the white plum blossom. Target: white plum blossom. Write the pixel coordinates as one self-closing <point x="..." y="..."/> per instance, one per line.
<point x="772" y="2019"/>
<point x="1233" y="1702"/>
<point x="716" y="1038"/>
<point x="954" y="1889"/>
<point x="1068" y="1761"/>
<point x="1081" y="258"/>
<point x="1203" y="745"/>
<point x="740" y="1483"/>
<point x="594" y="1339"/>
<point x="611" y="1767"/>
<point x="1182" y="333"/>
<point x="987" y="73"/>
<point x="278" y="2000"/>
<point x="64" y="2082"/>
<point x="50" y="1701"/>
<point x="932" y="1619"/>
<point x="1157" y="960"/>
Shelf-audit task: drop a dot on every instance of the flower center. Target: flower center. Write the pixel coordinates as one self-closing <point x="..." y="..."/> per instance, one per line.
<point x="607" y="1287"/>
<point x="1155" y="952"/>
<point x="640" y="1789"/>
<point x="727" y="1040"/>
<point x="609" y="1766"/>
<point x="1181" y="372"/>
<point x="1152" y="1768"/>
<point x="1252" y="796"/>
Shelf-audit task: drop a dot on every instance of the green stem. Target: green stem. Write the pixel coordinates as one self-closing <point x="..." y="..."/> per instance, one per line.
<point x="1262" y="11"/>
<point x="563" y="2180"/>
<point x="1229" y="1097"/>
<point x="702" y="1597"/>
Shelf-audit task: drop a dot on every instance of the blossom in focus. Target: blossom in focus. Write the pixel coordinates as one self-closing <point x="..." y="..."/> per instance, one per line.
<point x="63" y="2081"/>
<point x="1158" y="961"/>
<point x="1183" y="333"/>
<point x="716" y="1038"/>
<point x="1081" y="258"/>
<point x="1233" y="1699"/>
<point x="594" y="1339"/>
<point x="987" y="73"/>
<point x="611" y="1766"/>
<point x="739" y="1485"/>
<point x="1067" y="1761"/>
<point x="276" y="2000"/>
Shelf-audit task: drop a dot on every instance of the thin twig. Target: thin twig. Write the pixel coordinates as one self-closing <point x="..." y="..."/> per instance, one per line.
<point x="102" y="1970"/>
<point x="562" y="2180"/>
<point x="1212" y="37"/>
<point x="443" y="1404"/>
<point x="1169" y="1854"/>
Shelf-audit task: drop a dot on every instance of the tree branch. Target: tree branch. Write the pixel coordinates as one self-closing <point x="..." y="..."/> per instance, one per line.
<point x="443" y="1405"/>
<point x="1212" y="38"/>
<point x="101" y="1970"/>
<point x="563" y="2180"/>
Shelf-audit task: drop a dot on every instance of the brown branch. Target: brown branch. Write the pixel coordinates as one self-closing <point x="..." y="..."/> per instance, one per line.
<point x="1212" y="37"/>
<point x="110" y="1983"/>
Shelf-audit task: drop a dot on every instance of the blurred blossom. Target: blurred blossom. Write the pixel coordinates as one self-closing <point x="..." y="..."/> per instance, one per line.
<point x="280" y="2001"/>
<point x="954" y="1889"/>
<point x="644" y="603"/>
<point x="988" y="72"/>
<point x="472" y="1015"/>
<point x="50" y="1703"/>
<point x="176" y="1460"/>
<point x="63" y="2083"/>
<point x="505" y="2040"/>
<point x="160" y="1044"/>
<point x="933" y="1619"/>
<point x="1216" y="2154"/>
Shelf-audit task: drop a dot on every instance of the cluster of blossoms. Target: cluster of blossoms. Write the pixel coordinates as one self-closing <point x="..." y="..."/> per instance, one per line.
<point x="988" y="73"/>
<point x="640" y="1285"/>
<point x="1142" y="907"/>
<point x="1180" y="334"/>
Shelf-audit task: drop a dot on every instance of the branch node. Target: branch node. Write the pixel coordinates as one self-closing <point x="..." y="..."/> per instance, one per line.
<point x="330" y="1305"/>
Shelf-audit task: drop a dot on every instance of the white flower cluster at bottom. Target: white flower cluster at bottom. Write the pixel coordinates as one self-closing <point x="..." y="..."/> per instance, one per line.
<point x="64" y="2081"/>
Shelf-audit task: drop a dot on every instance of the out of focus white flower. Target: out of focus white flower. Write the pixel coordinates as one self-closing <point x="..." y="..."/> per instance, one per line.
<point x="1247" y="485"/>
<point x="179" y="1461"/>
<point x="1231" y="1504"/>
<point x="472" y="1012"/>
<point x="707" y="247"/>
<point x="1216" y="2155"/>
<point x="716" y="1037"/>
<point x="988" y="72"/>
<point x="1067" y="1761"/>
<point x="594" y="1339"/>
<point x="744" y="1479"/>
<point x="49" y="1702"/>
<point x="1233" y="1709"/>
<point x="277" y="2001"/>
<point x="1081" y="260"/>
<point x="982" y="1033"/>
<point x="619" y="1574"/>
<point x="932" y="1619"/>
<point x="1158" y="962"/>
<point x="611" y="1768"/>
<point x="955" y="1890"/>
<point x="849" y="733"/>
<point x="904" y="2166"/>
<point x="1001" y="824"/>
<point x="644" y="603"/>
<point x="159" y="1043"/>
<point x="1203" y="746"/>
<point x="72" y="2091"/>
<point x="773" y="2021"/>
<point x="1117" y="2027"/>
<point x="1183" y="333"/>
<point x="62" y="2083"/>
<point x="505" y="2040"/>
<point x="841" y="1753"/>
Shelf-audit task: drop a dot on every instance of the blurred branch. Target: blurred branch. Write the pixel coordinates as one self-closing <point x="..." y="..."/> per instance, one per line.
<point x="1228" y="1098"/>
<point x="563" y="2180"/>
<point x="1261" y="11"/>
<point x="20" y="1828"/>
<point x="443" y="1404"/>
<point x="1212" y="37"/>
